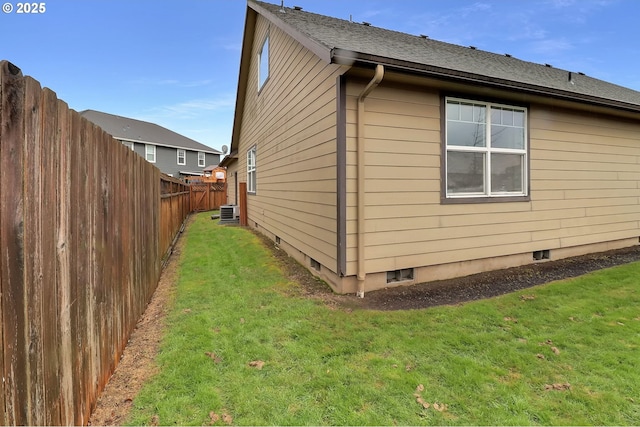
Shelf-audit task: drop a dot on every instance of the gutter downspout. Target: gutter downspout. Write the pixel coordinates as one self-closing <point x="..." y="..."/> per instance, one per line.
<point x="377" y="78"/>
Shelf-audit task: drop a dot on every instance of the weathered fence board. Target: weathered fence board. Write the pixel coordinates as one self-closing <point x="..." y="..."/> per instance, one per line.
<point x="11" y="235"/>
<point x="84" y="226"/>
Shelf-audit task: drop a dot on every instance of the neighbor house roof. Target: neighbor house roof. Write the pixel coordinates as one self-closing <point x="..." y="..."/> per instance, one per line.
<point x="127" y="129"/>
<point x="344" y="42"/>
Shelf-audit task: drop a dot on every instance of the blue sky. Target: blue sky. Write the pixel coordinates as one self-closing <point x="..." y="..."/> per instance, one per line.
<point x="176" y="63"/>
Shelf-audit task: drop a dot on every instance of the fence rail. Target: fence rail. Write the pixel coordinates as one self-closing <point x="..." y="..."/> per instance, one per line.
<point x="84" y="226"/>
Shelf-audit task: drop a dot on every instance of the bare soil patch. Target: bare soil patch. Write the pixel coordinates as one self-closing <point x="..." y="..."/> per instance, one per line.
<point x="137" y="364"/>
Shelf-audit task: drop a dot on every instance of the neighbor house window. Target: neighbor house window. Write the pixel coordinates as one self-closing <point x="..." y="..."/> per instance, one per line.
<point x="486" y="149"/>
<point x="128" y="144"/>
<point x="251" y="170"/>
<point x="201" y="160"/>
<point x="150" y="153"/>
<point x="263" y="63"/>
<point x="182" y="157"/>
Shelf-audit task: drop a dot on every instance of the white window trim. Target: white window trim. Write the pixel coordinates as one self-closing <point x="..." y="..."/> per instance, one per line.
<point x="263" y="76"/>
<point x="128" y="144"/>
<point x="524" y="152"/>
<point x="148" y="152"/>
<point x="251" y="170"/>
<point x="184" y="157"/>
<point x="202" y="159"/>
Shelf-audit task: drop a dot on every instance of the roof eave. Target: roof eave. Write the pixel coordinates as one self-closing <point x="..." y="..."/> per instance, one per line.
<point x="347" y="57"/>
<point x="253" y="10"/>
<point x="243" y="74"/>
<point x="228" y="160"/>
<point x="322" y="51"/>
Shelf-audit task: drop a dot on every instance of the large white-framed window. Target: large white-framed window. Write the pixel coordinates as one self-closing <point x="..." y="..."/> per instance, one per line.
<point x="150" y="153"/>
<point x="182" y="157"/>
<point x="263" y="63"/>
<point x="486" y="149"/>
<point x="251" y="170"/>
<point x="202" y="157"/>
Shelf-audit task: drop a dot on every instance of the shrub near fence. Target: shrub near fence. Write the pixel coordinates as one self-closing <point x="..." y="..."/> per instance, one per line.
<point x="84" y="227"/>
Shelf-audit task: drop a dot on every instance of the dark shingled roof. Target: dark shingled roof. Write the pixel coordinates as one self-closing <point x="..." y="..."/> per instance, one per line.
<point x="143" y="132"/>
<point x="347" y="41"/>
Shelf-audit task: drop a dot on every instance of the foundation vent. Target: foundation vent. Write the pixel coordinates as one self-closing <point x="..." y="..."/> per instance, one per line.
<point x="401" y="275"/>
<point x="541" y="255"/>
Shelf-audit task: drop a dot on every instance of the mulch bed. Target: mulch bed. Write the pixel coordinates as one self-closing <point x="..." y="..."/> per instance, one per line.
<point x="458" y="290"/>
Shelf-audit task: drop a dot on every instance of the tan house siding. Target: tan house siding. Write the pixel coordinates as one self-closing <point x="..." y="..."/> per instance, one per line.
<point x="583" y="156"/>
<point x="292" y="124"/>
<point x="586" y="168"/>
<point x="584" y="175"/>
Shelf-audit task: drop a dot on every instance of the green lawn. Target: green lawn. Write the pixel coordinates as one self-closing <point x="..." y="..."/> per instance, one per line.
<point x="564" y="353"/>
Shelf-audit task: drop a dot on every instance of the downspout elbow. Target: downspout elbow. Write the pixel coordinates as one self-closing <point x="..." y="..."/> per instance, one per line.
<point x="375" y="81"/>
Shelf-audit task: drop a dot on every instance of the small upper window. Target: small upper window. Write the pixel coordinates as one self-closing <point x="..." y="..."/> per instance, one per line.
<point x="486" y="149"/>
<point x="182" y="157"/>
<point x="201" y="160"/>
<point x="263" y="63"/>
<point x="150" y="153"/>
<point x="128" y="144"/>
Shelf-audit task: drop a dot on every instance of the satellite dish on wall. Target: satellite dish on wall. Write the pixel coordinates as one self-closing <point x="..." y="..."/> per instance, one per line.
<point x="225" y="149"/>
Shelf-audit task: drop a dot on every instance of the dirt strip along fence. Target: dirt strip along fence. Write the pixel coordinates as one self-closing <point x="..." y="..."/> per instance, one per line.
<point x="84" y="226"/>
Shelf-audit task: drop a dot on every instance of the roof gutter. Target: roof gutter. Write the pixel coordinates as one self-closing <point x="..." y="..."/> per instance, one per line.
<point x="375" y="81"/>
<point x="347" y="57"/>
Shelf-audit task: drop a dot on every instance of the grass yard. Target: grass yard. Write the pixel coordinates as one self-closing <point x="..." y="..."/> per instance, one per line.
<point x="243" y="348"/>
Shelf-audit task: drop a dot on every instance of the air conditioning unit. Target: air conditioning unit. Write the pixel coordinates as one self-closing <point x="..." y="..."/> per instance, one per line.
<point x="229" y="214"/>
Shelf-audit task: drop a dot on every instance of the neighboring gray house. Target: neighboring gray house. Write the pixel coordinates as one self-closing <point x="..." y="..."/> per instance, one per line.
<point x="174" y="154"/>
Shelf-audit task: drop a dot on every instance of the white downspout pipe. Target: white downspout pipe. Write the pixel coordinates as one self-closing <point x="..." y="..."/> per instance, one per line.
<point x="377" y="78"/>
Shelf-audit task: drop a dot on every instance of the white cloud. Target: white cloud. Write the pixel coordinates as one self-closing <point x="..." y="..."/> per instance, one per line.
<point x="551" y="46"/>
<point x="190" y="109"/>
<point x="474" y="8"/>
<point x="236" y="47"/>
<point x="169" y="82"/>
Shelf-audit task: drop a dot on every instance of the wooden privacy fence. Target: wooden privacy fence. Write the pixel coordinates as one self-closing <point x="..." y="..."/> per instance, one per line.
<point x="84" y="226"/>
<point x="206" y="196"/>
<point x="175" y="205"/>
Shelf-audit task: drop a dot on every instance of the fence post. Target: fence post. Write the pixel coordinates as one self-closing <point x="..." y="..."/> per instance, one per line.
<point x="243" y="203"/>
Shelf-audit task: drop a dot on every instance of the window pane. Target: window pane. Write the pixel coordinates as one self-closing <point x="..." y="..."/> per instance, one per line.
<point x="478" y="113"/>
<point x="507" y="171"/>
<point x="150" y="153"/>
<point x="453" y="110"/>
<point x="466" y="112"/>
<point x="465" y="172"/>
<point x="507" y="137"/>
<point x="496" y="116"/>
<point x="507" y="117"/>
<point x="264" y="63"/>
<point x="466" y="134"/>
<point x="518" y="118"/>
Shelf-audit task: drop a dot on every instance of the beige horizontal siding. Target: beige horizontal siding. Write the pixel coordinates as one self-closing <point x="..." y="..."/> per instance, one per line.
<point x="584" y="186"/>
<point x="292" y="123"/>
